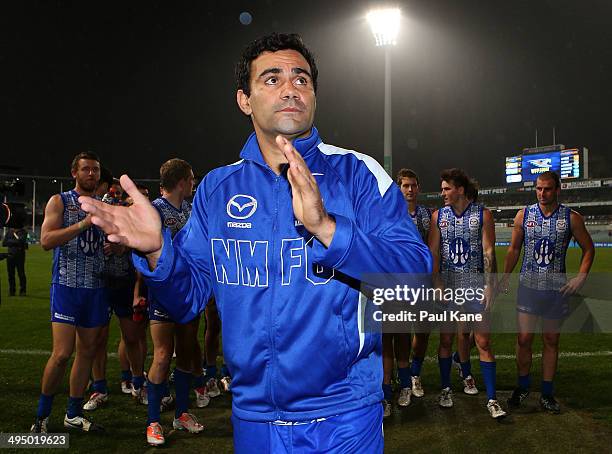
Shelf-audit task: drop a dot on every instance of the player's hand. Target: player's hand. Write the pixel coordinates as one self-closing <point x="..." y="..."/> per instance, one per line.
<point x="489" y="297"/>
<point x="504" y="284"/>
<point x="137" y="227"/>
<point x="573" y="285"/>
<point x="107" y="249"/>
<point x="307" y="203"/>
<point x="139" y="303"/>
<point x="87" y="222"/>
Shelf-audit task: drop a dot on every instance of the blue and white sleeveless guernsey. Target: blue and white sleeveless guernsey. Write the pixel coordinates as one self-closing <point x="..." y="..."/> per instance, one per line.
<point x="284" y="299"/>
<point x="79" y="262"/>
<point x="422" y="220"/>
<point x="78" y="295"/>
<point x="461" y="254"/>
<point x="546" y="240"/>
<point x="172" y="218"/>
<point x="118" y="269"/>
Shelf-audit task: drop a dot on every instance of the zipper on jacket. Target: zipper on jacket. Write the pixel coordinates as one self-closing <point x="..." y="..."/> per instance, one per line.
<point x="271" y="330"/>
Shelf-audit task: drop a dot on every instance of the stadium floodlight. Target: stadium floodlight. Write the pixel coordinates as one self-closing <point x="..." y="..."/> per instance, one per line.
<point x="385" y="24"/>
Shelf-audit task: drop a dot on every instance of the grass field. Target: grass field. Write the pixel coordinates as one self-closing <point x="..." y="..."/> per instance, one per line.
<point x="582" y="387"/>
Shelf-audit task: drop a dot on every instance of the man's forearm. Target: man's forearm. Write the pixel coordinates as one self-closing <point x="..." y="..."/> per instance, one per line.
<point x="490" y="267"/>
<point x="511" y="261"/>
<point x="586" y="261"/>
<point x="60" y="237"/>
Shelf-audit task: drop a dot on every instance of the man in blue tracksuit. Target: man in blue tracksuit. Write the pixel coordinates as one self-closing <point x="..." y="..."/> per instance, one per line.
<point x="282" y="239"/>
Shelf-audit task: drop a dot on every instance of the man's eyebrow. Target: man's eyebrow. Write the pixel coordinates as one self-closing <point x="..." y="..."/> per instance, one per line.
<point x="278" y="71"/>
<point x="301" y="71"/>
<point x="270" y="71"/>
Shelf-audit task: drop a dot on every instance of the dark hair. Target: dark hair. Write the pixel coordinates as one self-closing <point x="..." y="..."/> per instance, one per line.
<point x="271" y="43"/>
<point x="105" y="177"/>
<point x="458" y="178"/>
<point x="173" y="171"/>
<point x="550" y="175"/>
<point x="83" y="155"/>
<point x="406" y="173"/>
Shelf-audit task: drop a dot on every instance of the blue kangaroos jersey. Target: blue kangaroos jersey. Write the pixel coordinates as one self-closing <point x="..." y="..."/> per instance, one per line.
<point x="461" y="254"/>
<point x="546" y="240"/>
<point x="171" y="217"/>
<point x="118" y="269"/>
<point x="422" y="220"/>
<point x="79" y="262"/>
<point x="284" y="299"/>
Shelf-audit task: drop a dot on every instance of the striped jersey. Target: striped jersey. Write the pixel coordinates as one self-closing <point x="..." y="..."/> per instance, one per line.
<point x="172" y="218"/>
<point x="422" y="220"/>
<point x="546" y="239"/>
<point x="80" y="262"/>
<point x="461" y="254"/>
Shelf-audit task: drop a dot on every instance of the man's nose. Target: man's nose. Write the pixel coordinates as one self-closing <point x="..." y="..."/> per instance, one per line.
<point x="289" y="91"/>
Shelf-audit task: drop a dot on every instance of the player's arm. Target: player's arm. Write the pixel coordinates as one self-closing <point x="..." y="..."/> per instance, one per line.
<point x="583" y="237"/>
<point x="514" y="250"/>
<point x="139" y="300"/>
<point x="52" y="234"/>
<point x="139" y="286"/>
<point x="433" y="241"/>
<point x="488" y="250"/>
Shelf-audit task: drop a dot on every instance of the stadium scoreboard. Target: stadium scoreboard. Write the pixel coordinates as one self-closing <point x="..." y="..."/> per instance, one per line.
<point x="568" y="163"/>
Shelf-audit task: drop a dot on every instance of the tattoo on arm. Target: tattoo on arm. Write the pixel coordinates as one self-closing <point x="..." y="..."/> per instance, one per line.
<point x="490" y="266"/>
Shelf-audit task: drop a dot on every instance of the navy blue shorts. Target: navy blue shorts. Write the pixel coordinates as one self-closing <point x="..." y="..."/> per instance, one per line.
<point x="548" y="304"/>
<point x="84" y="307"/>
<point x="158" y="313"/>
<point x="121" y="301"/>
<point x="357" y="431"/>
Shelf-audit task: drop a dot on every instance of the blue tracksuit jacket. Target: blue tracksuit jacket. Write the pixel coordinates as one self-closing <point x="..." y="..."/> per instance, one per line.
<point x="290" y="308"/>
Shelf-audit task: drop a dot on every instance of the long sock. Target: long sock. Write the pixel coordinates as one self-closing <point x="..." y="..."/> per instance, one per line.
<point x="166" y="388"/>
<point x="445" y="365"/>
<point x="387" y="391"/>
<point x="137" y="381"/>
<point x="524" y="381"/>
<point x="182" y="385"/>
<point x="488" y="370"/>
<point x="99" y="386"/>
<point x="415" y="367"/>
<point x="154" y="395"/>
<point x="199" y="381"/>
<point x="547" y="388"/>
<point x="224" y="371"/>
<point x="45" y="403"/>
<point x="404" y="377"/>
<point x="75" y="407"/>
<point x="466" y="368"/>
<point x="126" y="375"/>
<point x="211" y="372"/>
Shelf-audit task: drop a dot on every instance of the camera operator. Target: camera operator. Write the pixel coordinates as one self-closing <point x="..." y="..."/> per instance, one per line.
<point x="16" y="240"/>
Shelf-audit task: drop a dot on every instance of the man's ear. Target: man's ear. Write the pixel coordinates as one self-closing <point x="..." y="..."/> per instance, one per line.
<point x="243" y="102"/>
<point x="73" y="172"/>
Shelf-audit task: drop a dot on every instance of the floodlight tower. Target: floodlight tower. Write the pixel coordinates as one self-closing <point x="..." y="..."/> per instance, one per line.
<point x="385" y="25"/>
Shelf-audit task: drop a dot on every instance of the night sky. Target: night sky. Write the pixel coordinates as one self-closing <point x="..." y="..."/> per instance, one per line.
<point x="143" y="82"/>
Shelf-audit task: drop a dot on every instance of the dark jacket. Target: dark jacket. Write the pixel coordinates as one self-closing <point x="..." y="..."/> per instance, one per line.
<point x="16" y="240"/>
